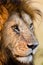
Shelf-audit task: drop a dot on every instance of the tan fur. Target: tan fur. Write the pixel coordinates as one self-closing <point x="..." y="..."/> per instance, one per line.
<point x="24" y="38"/>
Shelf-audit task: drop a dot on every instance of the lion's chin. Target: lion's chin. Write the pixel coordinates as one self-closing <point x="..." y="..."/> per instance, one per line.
<point x="20" y="61"/>
<point x="26" y="59"/>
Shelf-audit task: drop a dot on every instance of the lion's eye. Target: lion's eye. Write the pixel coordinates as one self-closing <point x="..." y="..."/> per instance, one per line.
<point x="31" y="26"/>
<point x="16" y="29"/>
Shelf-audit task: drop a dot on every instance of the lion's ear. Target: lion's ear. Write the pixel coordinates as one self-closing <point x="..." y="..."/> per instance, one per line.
<point x="3" y="16"/>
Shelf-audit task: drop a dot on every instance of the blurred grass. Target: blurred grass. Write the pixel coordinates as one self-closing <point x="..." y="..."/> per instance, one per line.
<point x="39" y="57"/>
<point x="39" y="34"/>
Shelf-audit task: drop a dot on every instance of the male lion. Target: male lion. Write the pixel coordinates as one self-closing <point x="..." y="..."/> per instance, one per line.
<point x="18" y="43"/>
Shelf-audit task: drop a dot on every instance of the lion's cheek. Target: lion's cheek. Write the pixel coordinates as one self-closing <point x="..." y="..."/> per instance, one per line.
<point x="20" y="49"/>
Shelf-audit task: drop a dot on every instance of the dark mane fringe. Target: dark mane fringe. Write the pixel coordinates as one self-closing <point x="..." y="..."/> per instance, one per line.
<point x="25" y="5"/>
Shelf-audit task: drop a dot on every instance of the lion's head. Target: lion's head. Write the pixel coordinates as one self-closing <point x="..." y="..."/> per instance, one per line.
<point x="18" y="38"/>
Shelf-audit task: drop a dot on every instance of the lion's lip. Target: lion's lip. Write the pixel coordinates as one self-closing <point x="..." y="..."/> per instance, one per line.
<point x="25" y="56"/>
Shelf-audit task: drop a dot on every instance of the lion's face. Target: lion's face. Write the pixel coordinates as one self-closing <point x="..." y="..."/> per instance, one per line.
<point x="19" y="37"/>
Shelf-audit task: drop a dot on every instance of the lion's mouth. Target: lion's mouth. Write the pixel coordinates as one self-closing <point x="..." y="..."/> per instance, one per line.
<point x="32" y="52"/>
<point x="24" y="56"/>
<point x="27" y="58"/>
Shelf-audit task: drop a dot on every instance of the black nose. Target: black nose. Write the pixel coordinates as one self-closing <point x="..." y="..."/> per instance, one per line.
<point x="32" y="46"/>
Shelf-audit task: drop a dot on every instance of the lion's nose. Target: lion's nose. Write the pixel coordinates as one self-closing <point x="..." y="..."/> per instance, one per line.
<point x="33" y="46"/>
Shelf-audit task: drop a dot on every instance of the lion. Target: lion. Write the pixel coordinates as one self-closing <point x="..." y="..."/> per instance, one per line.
<point x="18" y="43"/>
